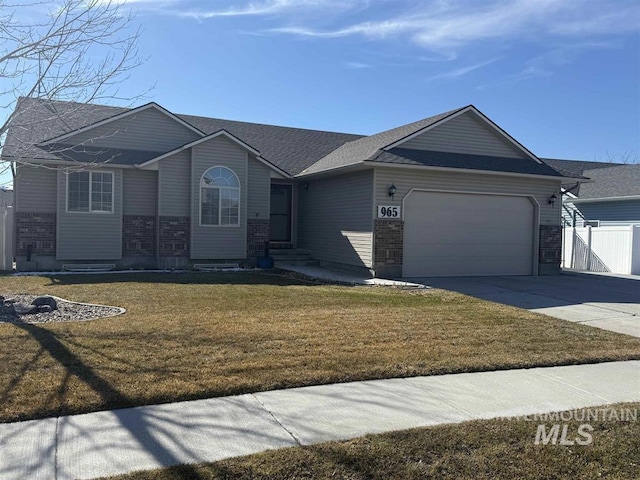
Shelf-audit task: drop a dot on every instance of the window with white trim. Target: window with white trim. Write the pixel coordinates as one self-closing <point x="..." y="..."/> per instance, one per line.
<point x="90" y="192"/>
<point x="219" y="197"/>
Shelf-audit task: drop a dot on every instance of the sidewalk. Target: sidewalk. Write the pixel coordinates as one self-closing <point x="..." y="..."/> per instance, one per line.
<point x="330" y="275"/>
<point x="119" y="441"/>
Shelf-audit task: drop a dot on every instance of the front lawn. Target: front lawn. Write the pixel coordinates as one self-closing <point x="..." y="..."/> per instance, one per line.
<point x="478" y="450"/>
<point x="188" y="336"/>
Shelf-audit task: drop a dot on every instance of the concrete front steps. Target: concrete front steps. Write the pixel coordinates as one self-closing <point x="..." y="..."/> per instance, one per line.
<point x="292" y="256"/>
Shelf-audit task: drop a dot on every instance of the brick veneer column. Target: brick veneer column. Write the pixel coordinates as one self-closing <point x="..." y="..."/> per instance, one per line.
<point x="174" y="236"/>
<point x="139" y="235"/>
<point x="550" y="251"/>
<point x="37" y="231"/>
<point x="257" y="235"/>
<point x="388" y="236"/>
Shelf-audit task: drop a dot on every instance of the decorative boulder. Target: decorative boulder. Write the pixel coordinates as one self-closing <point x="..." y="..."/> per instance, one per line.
<point x="44" y="309"/>
<point x="23" y="309"/>
<point x="50" y="301"/>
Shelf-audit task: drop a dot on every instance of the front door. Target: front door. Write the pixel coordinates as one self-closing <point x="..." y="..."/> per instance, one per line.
<point x="280" y="213"/>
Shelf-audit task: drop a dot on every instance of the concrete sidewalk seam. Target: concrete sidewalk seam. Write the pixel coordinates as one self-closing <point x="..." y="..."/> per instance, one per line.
<point x="55" y="449"/>
<point x="277" y="420"/>
<point x="557" y="380"/>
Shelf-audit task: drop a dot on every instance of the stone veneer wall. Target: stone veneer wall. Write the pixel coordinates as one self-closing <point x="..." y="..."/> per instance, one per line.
<point x="37" y="230"/>
<point x="257" y="235"/>
<point x="139" y="235"/>
<point x="388" y="239"/>
<point x="174" y="236"/>
<point x="550" y="252"/>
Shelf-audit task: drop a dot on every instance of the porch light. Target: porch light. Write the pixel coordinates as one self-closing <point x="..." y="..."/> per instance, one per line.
<point x="552" y="199"/>
<point x="392" y="190"/>
<point x="306" y="186"/>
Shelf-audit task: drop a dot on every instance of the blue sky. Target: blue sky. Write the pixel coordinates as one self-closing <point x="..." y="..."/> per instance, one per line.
<point x="561" y="76"/>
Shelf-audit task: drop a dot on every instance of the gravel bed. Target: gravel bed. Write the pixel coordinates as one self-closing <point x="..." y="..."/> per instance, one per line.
<point x="66" y="312"/>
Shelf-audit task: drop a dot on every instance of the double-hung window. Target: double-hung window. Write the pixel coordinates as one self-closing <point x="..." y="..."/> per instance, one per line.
<point x="90" y="192"/>
<point x="219" y="197"/>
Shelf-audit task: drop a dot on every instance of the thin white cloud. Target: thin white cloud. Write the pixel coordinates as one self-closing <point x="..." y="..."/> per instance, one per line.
<point x="457" y="24"/>
<point x="357" y="65"/>
<point x="459" y="72"/>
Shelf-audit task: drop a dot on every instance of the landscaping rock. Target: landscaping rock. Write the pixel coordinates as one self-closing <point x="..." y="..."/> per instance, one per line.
<point x="50" y="301"/>
<point x="24" y="309"/>
<point x="10" y="300"/>
<point x="44" y="309"/>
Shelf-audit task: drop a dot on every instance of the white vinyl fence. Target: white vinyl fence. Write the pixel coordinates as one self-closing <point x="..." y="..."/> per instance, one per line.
<point x="602" y="249"/>
<point x="6" y="237"/>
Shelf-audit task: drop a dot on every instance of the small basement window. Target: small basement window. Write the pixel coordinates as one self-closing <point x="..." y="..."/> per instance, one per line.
<point x="90" y="192"/>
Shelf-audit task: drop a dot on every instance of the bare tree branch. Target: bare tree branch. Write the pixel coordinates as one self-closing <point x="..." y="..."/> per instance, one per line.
<point x="79" y="51"/>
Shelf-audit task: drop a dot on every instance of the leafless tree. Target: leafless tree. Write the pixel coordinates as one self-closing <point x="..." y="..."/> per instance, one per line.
<point x="72" y="50"/>
<point x="628" y="158"/>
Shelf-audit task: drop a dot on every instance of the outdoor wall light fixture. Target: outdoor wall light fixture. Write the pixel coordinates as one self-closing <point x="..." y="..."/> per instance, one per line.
<point x="552" y="199"/>
<point x="306" y="186"/>
<point x="392" y="190"/>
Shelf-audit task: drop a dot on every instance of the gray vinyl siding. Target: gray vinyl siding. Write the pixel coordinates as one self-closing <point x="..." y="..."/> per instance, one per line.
<point x="335" y="220"/>
<point x="405" y="179"/>
<point x="89" y="236"/>
<point x="259" y="193"/>
<point x="174" y="177"/>
<point x="149" y="130"/>
<point x="610" y="214"/>
<point x="465" y="133"/>
<point x="139" y="192"/>
<point x="35" y="189"/>
<point x="218" y="242"/>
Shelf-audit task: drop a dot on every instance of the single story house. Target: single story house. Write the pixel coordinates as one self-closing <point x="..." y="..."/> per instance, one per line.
<point x="452" y="194"/>
<point x="611" y="198"/>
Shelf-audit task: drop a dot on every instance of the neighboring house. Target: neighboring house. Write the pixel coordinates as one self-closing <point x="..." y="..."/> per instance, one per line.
<point x="611" y="198"/>
<point x="451" y="194"/>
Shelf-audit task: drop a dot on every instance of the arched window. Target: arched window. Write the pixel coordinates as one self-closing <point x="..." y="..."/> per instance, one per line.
<point x="219" y="197"/>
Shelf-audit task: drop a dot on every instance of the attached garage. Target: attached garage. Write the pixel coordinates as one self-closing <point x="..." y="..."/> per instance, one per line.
<point x="453" y="233"/>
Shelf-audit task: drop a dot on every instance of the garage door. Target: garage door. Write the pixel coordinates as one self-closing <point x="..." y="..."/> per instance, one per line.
<point x="448" y="234"/>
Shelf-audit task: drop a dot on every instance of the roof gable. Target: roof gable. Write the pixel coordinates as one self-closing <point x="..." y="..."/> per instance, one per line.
<point x="218" y="134"/>
<point x="465" y="133"/>
<point x="77" y="134"/>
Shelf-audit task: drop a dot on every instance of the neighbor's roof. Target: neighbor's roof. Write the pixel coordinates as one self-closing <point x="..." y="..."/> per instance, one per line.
<point x="293" y="150"/>
<point x="576" y="167"/>
<point x="612" y="182"/>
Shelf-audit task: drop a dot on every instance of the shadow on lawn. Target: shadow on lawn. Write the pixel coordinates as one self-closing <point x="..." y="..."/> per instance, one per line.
<point x="276" y="277"/>
<point x="142" y="429"/>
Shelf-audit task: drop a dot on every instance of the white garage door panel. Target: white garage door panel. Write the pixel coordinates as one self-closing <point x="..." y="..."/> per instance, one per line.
<point x="448" y="234"/>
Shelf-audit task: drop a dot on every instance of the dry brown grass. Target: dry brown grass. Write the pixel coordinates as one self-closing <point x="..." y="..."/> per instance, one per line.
<point x="188" y="336"/>
<point x="479" y="450"/>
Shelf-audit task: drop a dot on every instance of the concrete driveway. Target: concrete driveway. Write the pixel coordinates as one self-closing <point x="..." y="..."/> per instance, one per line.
<point x="603" y="301"/>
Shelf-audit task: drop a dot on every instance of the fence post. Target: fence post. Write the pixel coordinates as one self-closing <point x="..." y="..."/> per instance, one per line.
<point x="588" y="248"/>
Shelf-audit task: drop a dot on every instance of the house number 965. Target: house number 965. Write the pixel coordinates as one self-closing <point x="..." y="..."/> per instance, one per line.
<point x="385" y="211"/>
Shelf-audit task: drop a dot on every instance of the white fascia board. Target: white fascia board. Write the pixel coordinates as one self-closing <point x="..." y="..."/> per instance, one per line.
<point x="608" y="199"/>
<point x="120" y="116"/>
<point x="486" y="119"/>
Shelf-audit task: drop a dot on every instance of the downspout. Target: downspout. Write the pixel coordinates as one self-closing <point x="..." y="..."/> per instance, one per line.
<point x="158" y="221"/>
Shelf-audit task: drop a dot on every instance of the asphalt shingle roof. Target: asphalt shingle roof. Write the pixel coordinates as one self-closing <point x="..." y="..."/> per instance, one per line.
<point x="617" y="181"/>
<point x="575" y="167"/>
<point x="367" y="147"/>
<point x="461" y="160"/>
<point x="293" y="150"/>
